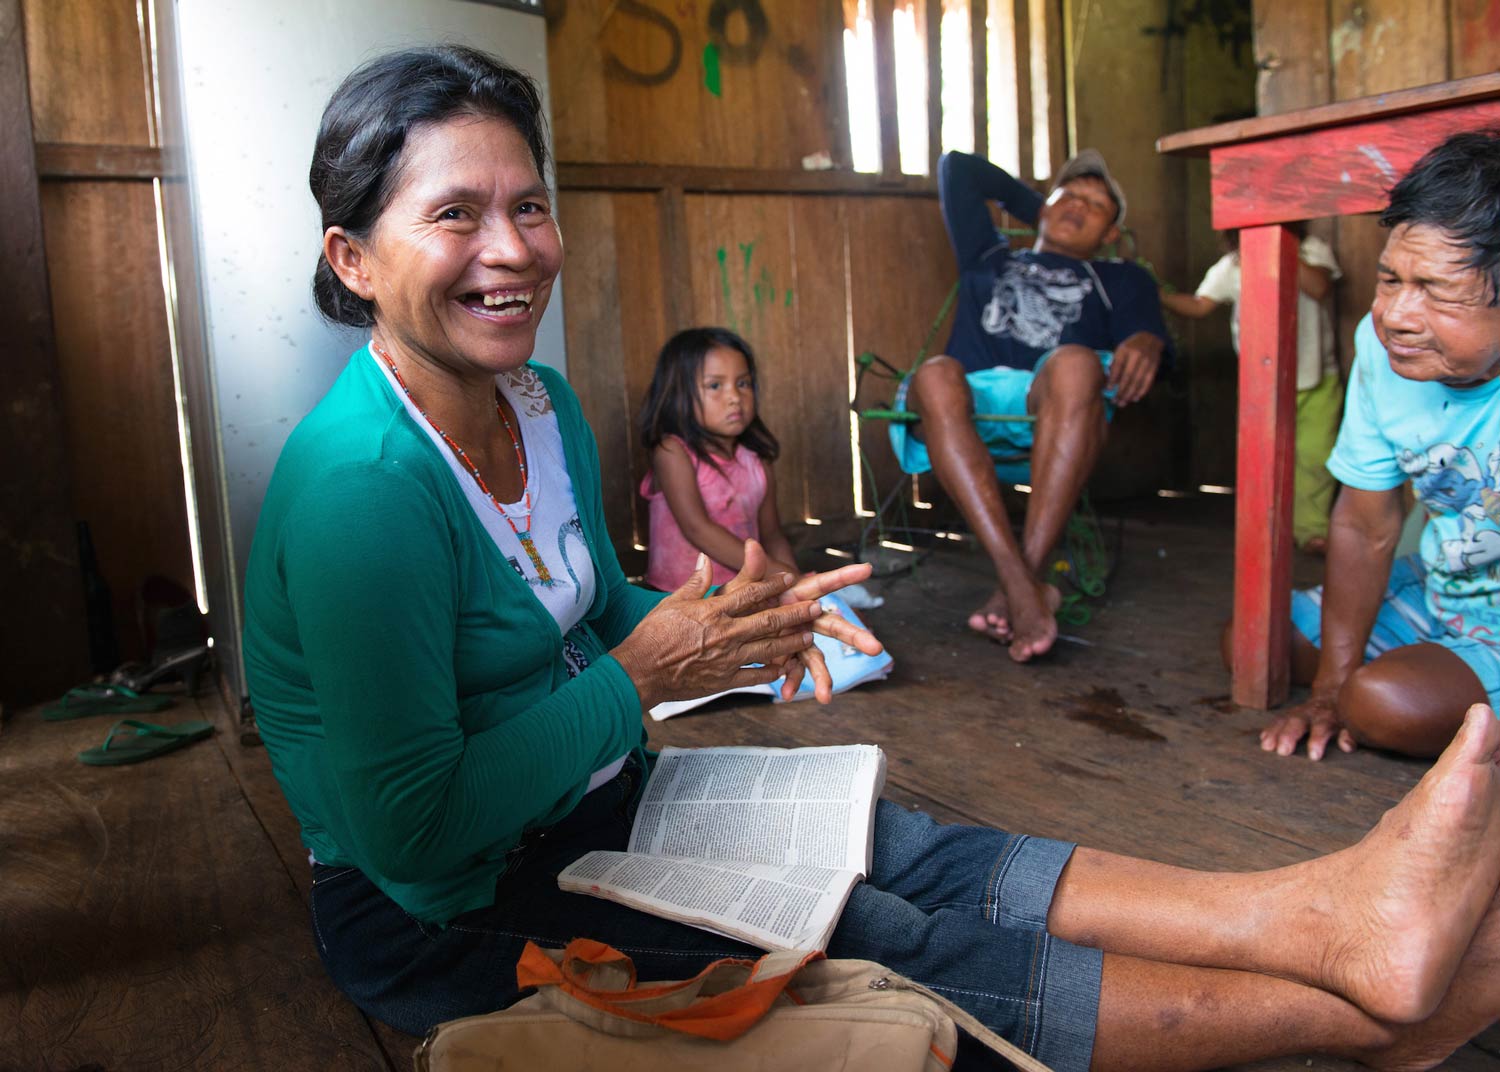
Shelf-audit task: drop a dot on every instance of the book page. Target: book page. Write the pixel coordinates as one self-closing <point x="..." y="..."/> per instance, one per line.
<point x="773" y="907"/>
<point x="802" y="806"/>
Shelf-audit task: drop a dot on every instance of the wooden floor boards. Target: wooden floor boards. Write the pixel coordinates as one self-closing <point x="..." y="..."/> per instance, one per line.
<point x="153" y="917"/>
<point x="147" y="920"/>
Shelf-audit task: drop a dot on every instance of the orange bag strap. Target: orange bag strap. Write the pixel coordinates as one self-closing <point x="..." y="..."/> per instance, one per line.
<point x="723" y="1015"/>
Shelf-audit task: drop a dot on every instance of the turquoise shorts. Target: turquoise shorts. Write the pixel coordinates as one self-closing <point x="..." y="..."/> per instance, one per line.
<point x="1000" y="390"/>
<point x="1405" y="619"/>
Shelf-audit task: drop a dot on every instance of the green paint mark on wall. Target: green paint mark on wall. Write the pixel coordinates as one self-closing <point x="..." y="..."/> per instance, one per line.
<point x="788" y="297"/>
<point x="711" y="79"/>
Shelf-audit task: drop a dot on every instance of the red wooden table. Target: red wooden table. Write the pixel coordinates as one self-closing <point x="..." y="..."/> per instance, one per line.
<point x="1333" y="160"/>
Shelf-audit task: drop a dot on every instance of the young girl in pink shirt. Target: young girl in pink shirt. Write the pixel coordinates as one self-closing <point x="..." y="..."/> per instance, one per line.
<point x="711" y="485"/>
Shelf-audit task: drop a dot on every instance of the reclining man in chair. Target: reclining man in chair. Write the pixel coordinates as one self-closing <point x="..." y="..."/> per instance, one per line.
<point x="1046" y="332"/>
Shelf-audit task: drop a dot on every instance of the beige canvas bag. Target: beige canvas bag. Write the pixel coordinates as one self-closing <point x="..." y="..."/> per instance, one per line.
<point x="788" y="1011"/>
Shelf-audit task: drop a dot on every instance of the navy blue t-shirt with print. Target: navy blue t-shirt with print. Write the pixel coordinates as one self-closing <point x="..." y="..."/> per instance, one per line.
<point x="1014" y="305"/>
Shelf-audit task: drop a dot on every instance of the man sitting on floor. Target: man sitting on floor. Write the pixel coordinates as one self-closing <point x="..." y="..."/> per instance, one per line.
<point x="1406" y="650"/>
<point x="1045" y="332"/>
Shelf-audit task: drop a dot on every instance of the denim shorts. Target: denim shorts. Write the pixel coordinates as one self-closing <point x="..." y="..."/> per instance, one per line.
<point x="1404" y="618"/>
<point x="961" y="910"/>
<point x="1003" y="391"/>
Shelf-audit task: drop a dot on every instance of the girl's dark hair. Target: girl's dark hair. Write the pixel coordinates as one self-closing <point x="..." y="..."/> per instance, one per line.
<point x="357" y="157"/>
<point x="1456" y="188"/>
<point x="671" y="402"/>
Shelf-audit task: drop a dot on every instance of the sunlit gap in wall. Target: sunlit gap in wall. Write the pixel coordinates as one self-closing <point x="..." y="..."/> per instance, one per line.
<point x="910" y="37"/>
<point x="812" y="520"/>
<point x="958" y="76"/>
<point x="916" y="494"/>
<point x="894" y="546"/>
<point x="1024" y="489"/>
<point x="146" y="27"/>
<point x="1041" y="93"/>
<point x="1004" y="128"/>
<point x="861" y="91"/>
<point x="837" y="552"/>
<point x="1215" y="489"/>
<point x="908" y="31"/>
<point x="856" y="455"/>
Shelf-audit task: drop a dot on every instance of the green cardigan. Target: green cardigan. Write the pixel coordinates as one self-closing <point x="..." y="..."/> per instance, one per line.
<point x="409" y="687"/>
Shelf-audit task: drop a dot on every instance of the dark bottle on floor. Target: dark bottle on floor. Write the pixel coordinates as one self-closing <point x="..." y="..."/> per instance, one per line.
<point x="104" y="646"/>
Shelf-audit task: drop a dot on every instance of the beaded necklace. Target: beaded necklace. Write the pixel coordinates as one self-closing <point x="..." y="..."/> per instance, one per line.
<point x="544" y="575"/>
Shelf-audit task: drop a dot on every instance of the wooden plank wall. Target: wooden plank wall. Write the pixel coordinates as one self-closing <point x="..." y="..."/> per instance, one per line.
<point x="42" y="631"/>
<point x="1141" y="68"/>
<point x="1330" y="50"/>
<point x="1218" y="83"/>
<point x="683" y="205"/>
<point x="94" y="119"/>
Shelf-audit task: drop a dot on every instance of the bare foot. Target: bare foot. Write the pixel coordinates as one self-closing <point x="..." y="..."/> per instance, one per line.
<point x="1035" y="622"/>
<point x="1404" y="903"/>
<point x="993" y="619"/>
<point x="1472" y="1005"/>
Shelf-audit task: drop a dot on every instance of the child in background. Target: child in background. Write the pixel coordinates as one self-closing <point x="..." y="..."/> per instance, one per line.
<point x="711" y="488"/>
<point x="1319" y="392"/>
<point x="711" y="485"/>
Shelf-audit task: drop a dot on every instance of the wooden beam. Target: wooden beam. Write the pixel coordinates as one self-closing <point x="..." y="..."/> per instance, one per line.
<point x="672" y="245"/>
<point x="979" y="41"/>
<point x="1261" y="644"/>
<point x="1347" y="169"/>
<point x="43" y="646"/>
<point x="836" y="89"/>
<point x="57" y="160"/>
<point x="882" y="12"/>
<point x="692" y="179"/>
<point x="1022" y="35"/>
<point x="1292" y="56"/>
<point x="1385" y="105"/>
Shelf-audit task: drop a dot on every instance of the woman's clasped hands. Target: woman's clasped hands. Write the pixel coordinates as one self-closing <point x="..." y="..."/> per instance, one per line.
<point x="753" y="630"/>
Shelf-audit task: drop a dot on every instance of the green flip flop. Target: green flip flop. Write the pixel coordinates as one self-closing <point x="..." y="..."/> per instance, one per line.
<point x="88" y="700"/>
<point x="131" y="741"/>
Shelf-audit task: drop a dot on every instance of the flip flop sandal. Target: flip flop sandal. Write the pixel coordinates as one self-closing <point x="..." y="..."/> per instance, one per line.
<point x="88" y="700"/>
<point x="131" y="741"/>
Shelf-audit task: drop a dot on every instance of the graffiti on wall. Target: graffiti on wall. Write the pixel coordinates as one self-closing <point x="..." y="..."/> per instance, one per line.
<point x="749" y="292"/>
<point x="737" y="33"/>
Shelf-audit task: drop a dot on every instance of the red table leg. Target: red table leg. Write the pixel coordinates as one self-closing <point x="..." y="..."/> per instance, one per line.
<point x="1267" y="439"/>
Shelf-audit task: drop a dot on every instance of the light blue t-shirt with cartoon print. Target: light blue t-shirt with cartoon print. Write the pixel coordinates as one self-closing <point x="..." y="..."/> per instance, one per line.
<point x="1446" y="441"/>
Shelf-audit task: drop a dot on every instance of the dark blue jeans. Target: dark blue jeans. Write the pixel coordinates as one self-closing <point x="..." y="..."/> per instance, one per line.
<point x="961" y="910"/>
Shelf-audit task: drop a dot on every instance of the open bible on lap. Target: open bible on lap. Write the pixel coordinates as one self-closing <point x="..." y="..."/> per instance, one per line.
<point x="759" y="844"/>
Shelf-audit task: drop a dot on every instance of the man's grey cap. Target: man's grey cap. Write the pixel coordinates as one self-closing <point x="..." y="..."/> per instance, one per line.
<point x="1089" y="162"/>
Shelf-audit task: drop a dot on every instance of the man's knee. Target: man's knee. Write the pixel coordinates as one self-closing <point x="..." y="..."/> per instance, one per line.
<point x="1370" y="705"/>
<point x="1072" y="378"/>
<point x="1409" y="700"/>
<point x="939" y="388"/>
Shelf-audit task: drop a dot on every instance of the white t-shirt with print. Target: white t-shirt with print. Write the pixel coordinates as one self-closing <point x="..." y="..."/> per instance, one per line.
<point x="1315" y="353"/>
